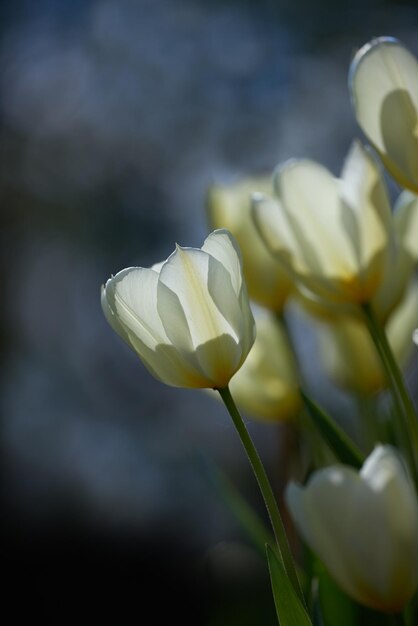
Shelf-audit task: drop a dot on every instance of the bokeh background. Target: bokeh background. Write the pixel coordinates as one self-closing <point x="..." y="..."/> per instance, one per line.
<point x="115" y="117"/>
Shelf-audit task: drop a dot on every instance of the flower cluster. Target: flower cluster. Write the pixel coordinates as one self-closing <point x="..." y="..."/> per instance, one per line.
<point x="337" y="248"/>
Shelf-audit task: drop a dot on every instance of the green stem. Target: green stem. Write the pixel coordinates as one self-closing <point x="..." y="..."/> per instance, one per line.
<point x="373" y="429"/>
<point x="406" y="414"/>
<point x="265" y="488"/>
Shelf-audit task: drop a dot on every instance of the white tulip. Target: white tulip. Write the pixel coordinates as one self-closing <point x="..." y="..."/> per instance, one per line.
<point x="364" y="527"/>
<point x="230" y="207"/>
<point x="384" y="87"/>
<point x="397" y="275"/>
<point x="188" y="318"/>
<point x="333" y="235"/>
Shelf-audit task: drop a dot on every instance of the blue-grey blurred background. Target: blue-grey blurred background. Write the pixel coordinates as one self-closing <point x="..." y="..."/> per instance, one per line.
<point x="115" y="116"/>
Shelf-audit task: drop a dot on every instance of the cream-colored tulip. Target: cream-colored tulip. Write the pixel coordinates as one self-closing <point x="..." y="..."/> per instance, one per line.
<point x="230" y="207"/>
<point x="383" y="82"/>
<point x="349" y="355"/>
<point x="188" y="318"/>
<point x="398" y="272"/>
<point x="333" y="235"/>
<point x="267" y="384"/>
<point x="364" y="527"/>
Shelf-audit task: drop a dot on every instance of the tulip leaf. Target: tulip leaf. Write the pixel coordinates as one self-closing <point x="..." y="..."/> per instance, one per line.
<point x="289" y="608"/>
<point x="338" y="441"/>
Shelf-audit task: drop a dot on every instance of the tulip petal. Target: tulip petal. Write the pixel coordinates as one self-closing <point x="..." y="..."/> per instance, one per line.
<point x="230" y="207"/>
<point x="193" y="320"/>
<point x="135" y="319"/>
<point x="406" y="223"/>
<point x="223" y="247"/>
<point x="384" y="86"/>
<point x="287" y="241"/>
<point x="399" y="272"/>
<point x="132" y="295"/>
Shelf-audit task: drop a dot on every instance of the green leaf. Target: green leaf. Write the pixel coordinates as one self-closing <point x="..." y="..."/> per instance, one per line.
<point x="289" y="607"/>
<point x="338" y="441"/>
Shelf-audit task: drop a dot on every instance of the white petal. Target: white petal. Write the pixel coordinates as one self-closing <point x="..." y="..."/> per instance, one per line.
<point x="193" y="320"/>
<point x="384" y="87"/>
<point x="128" y="301"/>
<point x="406" y="223"/>
<point x="133" y="297"/>
<point x="230" y="207"/>
<point x="222" y="246"/>
<point x="110" y="313"/>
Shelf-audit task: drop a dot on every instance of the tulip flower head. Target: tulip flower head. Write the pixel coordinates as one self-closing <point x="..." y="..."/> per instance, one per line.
<point x="383" y="82"/>
<point x="189" y="318"/>
<point x="364" y="527"/>
<point x="230" y="207"/>
<point x="397" y="275"/>
<point x="333" y="235"/>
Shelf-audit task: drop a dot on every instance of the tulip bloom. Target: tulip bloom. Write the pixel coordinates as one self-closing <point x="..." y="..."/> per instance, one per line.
<point x="333" y="235"/>
<point x="189" y="318"/>
<point x="383" y="82"/>
<point x="230" y="207"/>
<point x="267" y="384"/>
<point x="397" y="275"/>
<point x="364" y="527"/>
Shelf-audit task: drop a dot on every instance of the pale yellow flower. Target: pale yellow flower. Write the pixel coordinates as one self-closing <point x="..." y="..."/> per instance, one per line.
<point x="364" y="527"/>
<point x="230" y="207"/>
<point x="267" y="384"/>
<point x="383" y="82"/>
<point x="188" y="318"/>
<point x="333" y="235"/>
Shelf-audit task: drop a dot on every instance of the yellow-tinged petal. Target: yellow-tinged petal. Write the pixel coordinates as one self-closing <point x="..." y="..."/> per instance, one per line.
<point x="364" y="527"/>
<point x="383" y="82"/>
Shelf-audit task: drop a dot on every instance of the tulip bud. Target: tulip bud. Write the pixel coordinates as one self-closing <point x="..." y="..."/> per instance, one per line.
<point x="189" y="318"/>
<point x="267" y="385"/>
<point x="333" y="235"/>
<point x="364" y="527"/>
<point x="230" y="207"/>
<point x="383" y="82"/>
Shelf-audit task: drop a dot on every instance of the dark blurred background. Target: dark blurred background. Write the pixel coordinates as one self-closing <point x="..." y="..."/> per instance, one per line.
<point x="115" y="117"/>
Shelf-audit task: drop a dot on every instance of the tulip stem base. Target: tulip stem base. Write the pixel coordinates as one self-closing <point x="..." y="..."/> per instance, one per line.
<point x="265" y="488"/>
<point x="405" y="410"/>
